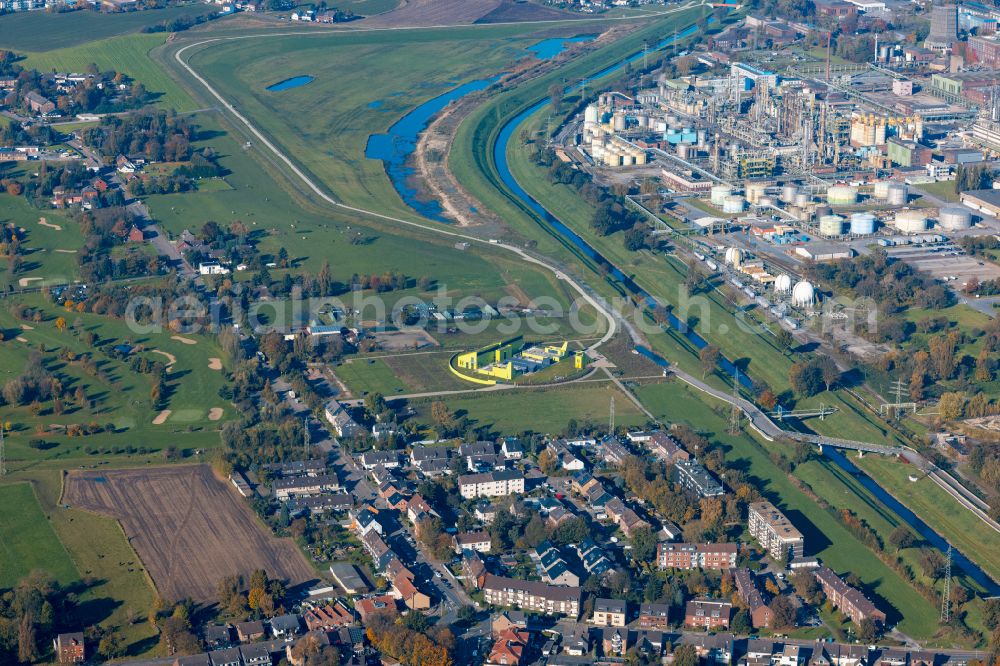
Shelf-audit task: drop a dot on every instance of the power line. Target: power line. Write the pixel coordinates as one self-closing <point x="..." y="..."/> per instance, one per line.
<point x="735" y="413"/>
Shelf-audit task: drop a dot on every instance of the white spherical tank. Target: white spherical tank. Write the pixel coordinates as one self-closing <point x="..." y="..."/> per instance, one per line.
<point x="590" y="114"/>
<point x="842" y="195"/>
<point x="862" y="224"/>
<point x="911" y="221"/>
<point x="788" y="193"/>
<point x="734" y="204"/>
<point x="783" y="284"/>
<point x="803" y="295"/>
<point x="831" y="225"/>
<point x="734" y="256"/>
<point x="718" y="194"/>
<point x="896" y="194"/>
<point x="954" y="218"/>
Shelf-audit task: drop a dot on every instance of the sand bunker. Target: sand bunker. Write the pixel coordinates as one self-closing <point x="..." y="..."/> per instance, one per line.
<point x="215" y="363"/>
<point x="24" y="282"/>
<point x="65" y="251"/>
<point x="45" y="223"/>
<point x="215" y="414"/>
<point x="170" y="357"/>
<point x="20" y="339"/>
<point x="181" y="338"/>
<point x="161" y="417"/>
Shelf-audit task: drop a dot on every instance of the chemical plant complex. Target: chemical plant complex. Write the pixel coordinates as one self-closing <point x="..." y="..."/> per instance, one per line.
<point x="769" y="159"/>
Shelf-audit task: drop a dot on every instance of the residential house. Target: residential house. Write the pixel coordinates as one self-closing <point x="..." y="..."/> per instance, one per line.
<point x="560" y="452"/>
<point x="285" y="627"/>
<point x="666" y="448"/>
<point x="708" y="614"/>
<point x="849" y="600"/>
<point x="531" y="595"/>
<point x="614" y="641"/>
<point x="417" y="509"/>
<point x="249" y="631"/>
<point x="372" y="459"/>
<point x="257" y="654"/>
<point x="654" y="616"/>
<point x="509" y="647"/>
<point x="582" y="482"/>
<point x="512" y="449"/>
<point x="504" y="620"/>
<point x="421" y="455"/>
<point x="342" y="423"/>
<point x="70" y="648"/>
<point x="552" y="567"/>
<point x="491" y="484"/>
<point x="610" y="613"/>
<point x="365" y="520"/>
<point x="39" y="104"/>
<point x="404" y="589"/>
<point x="384" y="603"/>
<point x="593" y="558"/>
<point x="477" y="541"/>
<point x="612" y="451"/>
<point x="485" y="512"/>
<point x="696" y="555"/>
<point x="227" y="657"/>
<point x="218" y="636"/>
<point x="711" y="648"/>
<point x="576" y="641"/>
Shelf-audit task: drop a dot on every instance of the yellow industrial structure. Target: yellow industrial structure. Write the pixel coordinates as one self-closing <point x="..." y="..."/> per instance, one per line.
<point x="512" y="358"/>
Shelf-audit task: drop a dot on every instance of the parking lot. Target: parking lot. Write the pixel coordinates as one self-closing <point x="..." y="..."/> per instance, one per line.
<point x="947" y="263"/>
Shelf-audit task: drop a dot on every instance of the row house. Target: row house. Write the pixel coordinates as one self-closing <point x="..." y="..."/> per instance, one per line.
<point x="386" y="459"/>
<point x="328" y="617"/>
<point x="296" y="486"/>
<point x="593" y="558"/>
<point x="479" y="542"/>
<point x="654" y="616"/>
<point x="531" y="595"/>
<point x="746" y="586"/>
<point x="850" y="601"/>
<point x="696" y="555"/>
<point x="427" y="456"/>
<point x="553" y="568"/>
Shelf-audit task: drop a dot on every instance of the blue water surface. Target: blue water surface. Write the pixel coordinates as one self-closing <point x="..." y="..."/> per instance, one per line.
<point x="293" y="82"/>
<point x="395" y="147"/>
<point x="550" y="48"/>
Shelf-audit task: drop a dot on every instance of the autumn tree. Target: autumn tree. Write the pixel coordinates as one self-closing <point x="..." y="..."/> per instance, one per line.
<point x="709" y="356"/>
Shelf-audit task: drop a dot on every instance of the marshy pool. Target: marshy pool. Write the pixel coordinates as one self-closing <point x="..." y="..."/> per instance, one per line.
<point x="294" y="82"/>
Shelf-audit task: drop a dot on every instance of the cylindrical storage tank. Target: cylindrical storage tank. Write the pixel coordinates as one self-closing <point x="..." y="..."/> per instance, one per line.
<point x="755" y="191"/>
<point x="882" y="189"/>
<point x="718" y="194"/>
<point x="683" y="150"/>
<point x="590" y="114"/>
<point x="842" y="195"/>
<point x="733" y="204"/>
<point x="955" y="217"/>
<point x="831" y="225"/>
<point x="783" y="284"/>
<point x="765" y="201"/>
<point x="822" y="210"/>
<point x="862" y="224"/>
<point x="911" y="221"/>
<point x="734" y="256"/>
<point x="619" y="122"/>
<point x="801" y="199"/>
<point x="788" y="193"/>
<point x="896" y="194"/>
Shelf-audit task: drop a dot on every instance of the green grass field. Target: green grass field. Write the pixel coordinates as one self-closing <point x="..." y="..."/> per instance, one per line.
<point x="42" y="31"/>
<point x="546" y="410"/>
<point x="128" y="54"/>
<point x="944" y="189"/>
<point x="27" y="540"/>
<point x="43" y="264"/>
<point x="825" y="537"/>
<point x="354" y="74"/>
